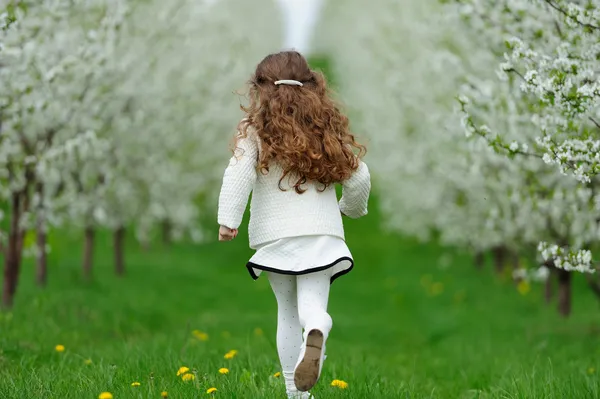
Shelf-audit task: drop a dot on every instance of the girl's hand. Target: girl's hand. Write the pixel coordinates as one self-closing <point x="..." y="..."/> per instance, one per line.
<point x="227" y="234"/>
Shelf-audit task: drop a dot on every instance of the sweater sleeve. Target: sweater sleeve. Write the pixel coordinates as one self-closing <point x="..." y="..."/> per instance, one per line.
<point x="238" y="182"/>
<point x="355" y="192"/>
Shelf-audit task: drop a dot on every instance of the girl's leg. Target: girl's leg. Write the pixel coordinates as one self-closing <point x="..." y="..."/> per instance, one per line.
<point x="313" y="296"/>
<point x="289" y="332"/>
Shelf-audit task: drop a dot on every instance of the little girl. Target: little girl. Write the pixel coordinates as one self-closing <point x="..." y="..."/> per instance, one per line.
<point x="290" y="150"/>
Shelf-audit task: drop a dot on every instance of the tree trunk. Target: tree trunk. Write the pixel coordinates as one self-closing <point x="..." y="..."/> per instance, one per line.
<point x="42" y="261"/>
<point x="166" y="232"/>
<point x="564" y="292"/>
<point x="20" y="243"/>
<point x="549" y="285"/>
<point x="118" y="240"/>
<point x="41" y="239"/>
<point x="88" y="252"/>
<point x="11" y="257"/>
<point x="499" y="254"/>
<point x="479" y="260"/>
<point x="23" y="208"/>
<point x="515" y="261"/>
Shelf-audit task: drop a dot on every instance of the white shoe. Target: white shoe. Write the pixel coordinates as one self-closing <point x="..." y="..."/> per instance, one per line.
<point x="310" y="362"/>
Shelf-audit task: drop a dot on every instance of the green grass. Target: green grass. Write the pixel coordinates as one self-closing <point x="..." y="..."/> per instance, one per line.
<point x="478" y="338"/>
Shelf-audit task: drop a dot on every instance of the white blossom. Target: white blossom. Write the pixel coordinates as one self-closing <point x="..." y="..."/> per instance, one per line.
<point x="510" y="183"/>
<point x="122" y="111"/>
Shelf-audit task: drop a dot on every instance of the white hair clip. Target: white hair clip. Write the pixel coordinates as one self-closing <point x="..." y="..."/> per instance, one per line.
<point x="288" y="82"/>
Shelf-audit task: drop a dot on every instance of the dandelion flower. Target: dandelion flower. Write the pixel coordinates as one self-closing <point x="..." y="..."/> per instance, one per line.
<point x="135" y="384"/>
<point x="200" y="335"/>
<point x="258" y="331"/>
<point x="523" y="287"/>
<point x="277" y="374"/>
<point x="231" y="354"/>
<point x="188" y="377"/>
<point x="87" y="362"/>
<point x="105" y="395"/>
<point x="223" y="370"/>
<point x="437" y="289"/>
<point x="211" y="390"/>
<point x="182" y="370"/>
<point x="591" y="370"/>
<point x="339" y="383"/>
<point x="164" y="394"/>
<point x="59" y="348"/>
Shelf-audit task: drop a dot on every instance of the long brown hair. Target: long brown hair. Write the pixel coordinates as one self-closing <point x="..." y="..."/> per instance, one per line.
<point x="300" y="127"/>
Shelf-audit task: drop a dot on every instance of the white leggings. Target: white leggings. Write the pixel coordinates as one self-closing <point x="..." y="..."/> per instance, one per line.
<point x="301" y="304"/>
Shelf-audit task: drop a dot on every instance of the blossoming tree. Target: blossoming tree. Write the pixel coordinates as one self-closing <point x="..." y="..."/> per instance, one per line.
<point x="400" y="71"/>
<point x="109" y="112"/>
<point x="45" y="76"/>
<point x="547" y="52"/>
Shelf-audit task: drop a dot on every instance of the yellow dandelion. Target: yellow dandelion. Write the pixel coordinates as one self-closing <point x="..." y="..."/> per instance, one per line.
<point x="523" y="287"/>
<point x="59" y="348"/>
<point x="87" y="362"/>
<point x="591" y="370"/>
<point x="437" y="289"/>
<point x="182" y="370"/>
<point x="258" y="332"/>
<point x="105" y="395"/>
<point x="188" y="377"/>
<point x="211" y="390"/>
<point x="231" y="354"/>
<point x="277" y="374"/>
<point x="135" y="384"/>
<point x="200" y="335"/>
<point x="339" y="384"/>
<point x="164" y="394"/>
<point x="223" y="370"/>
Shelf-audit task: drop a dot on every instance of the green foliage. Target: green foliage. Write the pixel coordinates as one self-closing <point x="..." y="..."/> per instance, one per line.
<point x="323" y="64"/>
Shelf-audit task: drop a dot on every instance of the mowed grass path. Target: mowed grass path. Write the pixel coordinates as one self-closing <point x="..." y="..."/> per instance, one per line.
<point x="405" y="326"/>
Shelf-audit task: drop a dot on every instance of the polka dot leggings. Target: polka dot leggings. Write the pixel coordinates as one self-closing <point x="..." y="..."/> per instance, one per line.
<point x="301" y="304"/>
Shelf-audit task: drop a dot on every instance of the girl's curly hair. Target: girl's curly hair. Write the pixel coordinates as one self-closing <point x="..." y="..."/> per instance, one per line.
<point x="300" y="127"/>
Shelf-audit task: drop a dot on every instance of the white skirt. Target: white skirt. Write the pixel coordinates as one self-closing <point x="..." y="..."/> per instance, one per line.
<point x="302" y="255"/>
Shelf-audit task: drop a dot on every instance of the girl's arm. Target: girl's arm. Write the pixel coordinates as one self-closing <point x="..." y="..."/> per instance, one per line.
<point x="355" y="192"/>
<point x="238" y="181"/>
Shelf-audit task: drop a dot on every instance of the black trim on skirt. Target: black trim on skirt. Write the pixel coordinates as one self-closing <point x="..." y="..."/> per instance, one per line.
<point x="251" y="266"/>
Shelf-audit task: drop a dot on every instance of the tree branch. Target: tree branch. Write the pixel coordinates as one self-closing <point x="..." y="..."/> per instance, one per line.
<point x="595" y="122"/>
<point x="526" y="153"/>
<point x="566" y="14"/>
<point x="519" y="74"/>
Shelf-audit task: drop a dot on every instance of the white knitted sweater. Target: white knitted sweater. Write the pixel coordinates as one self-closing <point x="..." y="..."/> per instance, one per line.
<point x="276" y="214"/>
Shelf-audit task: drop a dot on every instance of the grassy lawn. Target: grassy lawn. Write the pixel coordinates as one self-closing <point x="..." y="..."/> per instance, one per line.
<point x="411" y="321"/>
